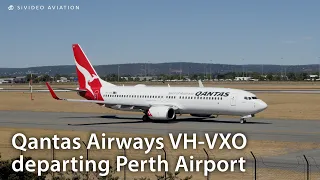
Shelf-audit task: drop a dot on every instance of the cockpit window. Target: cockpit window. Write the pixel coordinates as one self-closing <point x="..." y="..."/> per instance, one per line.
<point x="249" y="98"/>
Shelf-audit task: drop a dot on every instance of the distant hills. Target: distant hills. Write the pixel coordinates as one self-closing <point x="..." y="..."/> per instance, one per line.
<point x="141" y="69"/>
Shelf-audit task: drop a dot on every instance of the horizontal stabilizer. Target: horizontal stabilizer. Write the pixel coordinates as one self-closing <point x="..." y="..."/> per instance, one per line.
<point x="70" y="89"/>
<point x="33" y="90"/>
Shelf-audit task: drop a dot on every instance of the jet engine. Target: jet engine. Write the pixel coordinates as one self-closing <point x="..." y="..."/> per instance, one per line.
<point x="161" y="113"/>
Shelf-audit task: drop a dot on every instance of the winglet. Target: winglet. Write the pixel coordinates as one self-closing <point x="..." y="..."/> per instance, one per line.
<point x="53" y="94"/>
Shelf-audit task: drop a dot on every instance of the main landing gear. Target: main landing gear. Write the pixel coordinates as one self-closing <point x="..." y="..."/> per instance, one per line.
<point x="145" y="118"/>
<point x="243" y="120"/>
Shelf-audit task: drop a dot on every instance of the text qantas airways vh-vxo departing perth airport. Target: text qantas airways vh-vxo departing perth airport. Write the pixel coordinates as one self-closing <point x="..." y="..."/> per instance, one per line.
<point x="161" y="103"/>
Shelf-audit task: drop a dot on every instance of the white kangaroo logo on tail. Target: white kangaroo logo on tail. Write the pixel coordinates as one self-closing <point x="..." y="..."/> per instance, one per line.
<point x="88" y="77"/>
<point x="93" y="77"/>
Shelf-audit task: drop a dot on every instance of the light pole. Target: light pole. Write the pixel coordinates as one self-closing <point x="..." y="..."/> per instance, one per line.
<point x="285" y="73"/>
<point x="145" y="70"/>
<point x="180" y="71"/>
<point x="281" y="78"/>
<point x="262" y="70"/>
<point x="204" y="71"/>
<point x="243" y="68"/>
<point x="210" y="70"/>
<point x="30" y="84"/>
<point x="21" y="145"/>
<point x="149" y="69"/>
<point x="319" y="69"/>
<point x="87" y="156"/>
<point x="118" y="73"/>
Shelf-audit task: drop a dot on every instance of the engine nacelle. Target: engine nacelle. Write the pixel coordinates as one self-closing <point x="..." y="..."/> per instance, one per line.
<point x="201" y="115"/>
<point x="161" y="113"/>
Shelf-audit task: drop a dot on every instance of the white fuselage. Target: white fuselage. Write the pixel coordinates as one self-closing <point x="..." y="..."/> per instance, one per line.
<point x="189" y="100"/>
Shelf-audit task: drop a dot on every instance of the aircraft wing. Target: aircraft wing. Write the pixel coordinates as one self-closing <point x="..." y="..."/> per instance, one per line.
<point x="143" y="106"/>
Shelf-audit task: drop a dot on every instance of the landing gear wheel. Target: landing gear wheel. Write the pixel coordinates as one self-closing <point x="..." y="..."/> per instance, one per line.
<point x="242" y="121"/>
<point x="145" y="118"/>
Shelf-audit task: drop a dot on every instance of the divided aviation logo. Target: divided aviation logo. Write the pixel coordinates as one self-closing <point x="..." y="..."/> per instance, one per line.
<point x="43" y="7"/>
<point x="208" y="93"/>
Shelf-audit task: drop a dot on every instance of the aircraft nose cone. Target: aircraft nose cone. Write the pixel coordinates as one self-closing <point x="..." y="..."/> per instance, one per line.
<point x="262" y="105"/>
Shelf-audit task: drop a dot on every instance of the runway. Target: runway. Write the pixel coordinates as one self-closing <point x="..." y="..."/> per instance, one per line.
<point x="255" y="129"/>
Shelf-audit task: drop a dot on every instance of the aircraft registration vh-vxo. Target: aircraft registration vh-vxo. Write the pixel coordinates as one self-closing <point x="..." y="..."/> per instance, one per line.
<point x="161" y="103"/>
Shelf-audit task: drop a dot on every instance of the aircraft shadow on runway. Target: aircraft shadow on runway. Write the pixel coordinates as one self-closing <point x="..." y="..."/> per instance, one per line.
<point x="137" y="120"/>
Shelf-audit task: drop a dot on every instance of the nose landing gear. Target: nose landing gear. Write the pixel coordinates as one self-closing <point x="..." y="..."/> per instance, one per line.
<point x="243" y="119"/>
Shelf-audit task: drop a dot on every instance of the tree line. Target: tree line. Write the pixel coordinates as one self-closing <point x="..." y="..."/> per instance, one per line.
<point x="289" y="76"/>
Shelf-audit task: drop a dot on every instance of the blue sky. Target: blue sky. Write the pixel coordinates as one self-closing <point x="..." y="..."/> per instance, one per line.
<point x="118" y="31"/>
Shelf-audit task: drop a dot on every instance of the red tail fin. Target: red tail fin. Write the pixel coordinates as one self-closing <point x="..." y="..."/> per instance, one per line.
<point x="85" y="71"/>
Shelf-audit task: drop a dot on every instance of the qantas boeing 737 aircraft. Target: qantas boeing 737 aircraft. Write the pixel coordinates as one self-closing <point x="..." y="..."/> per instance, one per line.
<point x="161" y="103"/>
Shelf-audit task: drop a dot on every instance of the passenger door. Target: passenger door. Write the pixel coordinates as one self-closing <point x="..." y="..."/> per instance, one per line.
<point x="233" y="100"/>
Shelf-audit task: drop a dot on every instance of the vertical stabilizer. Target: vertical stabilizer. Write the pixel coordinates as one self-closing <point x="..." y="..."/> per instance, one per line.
<point x="87" y="76"/>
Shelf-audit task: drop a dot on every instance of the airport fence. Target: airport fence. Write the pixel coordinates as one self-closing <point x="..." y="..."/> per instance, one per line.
<point x="257" y="166"/>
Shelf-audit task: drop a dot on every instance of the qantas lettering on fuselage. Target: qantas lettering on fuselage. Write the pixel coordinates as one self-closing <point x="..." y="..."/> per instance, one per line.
<point x="207" y="93"/>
